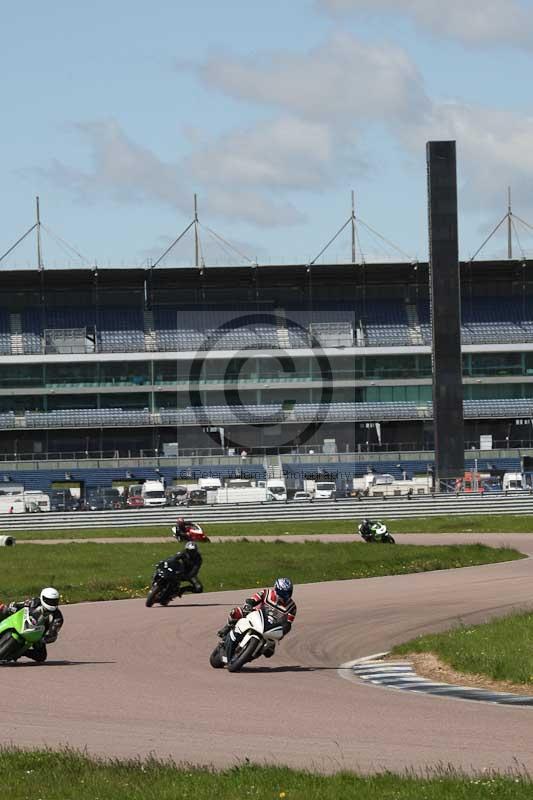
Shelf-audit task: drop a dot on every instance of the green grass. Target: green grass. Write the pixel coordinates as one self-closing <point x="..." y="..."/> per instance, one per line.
<point x="501" y="650"/>
<point x="494" y="523"/>
<point x="65" y="775"/>
<point x="212" y="529"/>
<point x="92" y="571"/>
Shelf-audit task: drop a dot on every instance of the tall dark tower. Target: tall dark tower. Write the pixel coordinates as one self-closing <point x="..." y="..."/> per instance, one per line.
<point x="445" y="293"/>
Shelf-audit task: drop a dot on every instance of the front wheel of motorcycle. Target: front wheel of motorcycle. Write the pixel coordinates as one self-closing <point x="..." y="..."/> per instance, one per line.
<point x="390" y="539"/>
<point x="215" y="659"/>
<point x="153" y="594"/>
<point x="6" y="646"/>
<point x="242" y="656"/>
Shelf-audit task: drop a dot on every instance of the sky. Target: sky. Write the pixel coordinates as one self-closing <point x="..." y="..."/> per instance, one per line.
<point x="116" y="114"/>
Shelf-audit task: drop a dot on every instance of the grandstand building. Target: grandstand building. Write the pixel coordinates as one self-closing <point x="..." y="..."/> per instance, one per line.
<point x="126" y="361"/>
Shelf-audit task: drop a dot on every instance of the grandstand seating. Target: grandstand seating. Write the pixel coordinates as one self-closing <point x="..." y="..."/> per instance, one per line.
<point x="241" y="326"/>
<point x="32" y="329"/>
<point x="86" y="418"/>
<point x="121" y="331"/>
<point x="215" y="328"/>
<point x="385" y="322"/>
<point x="261" y="413"/>
<point x="5" y="334"/>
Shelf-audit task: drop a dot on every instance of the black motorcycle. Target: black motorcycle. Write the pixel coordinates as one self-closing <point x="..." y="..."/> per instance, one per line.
<point x="165" y="586"/>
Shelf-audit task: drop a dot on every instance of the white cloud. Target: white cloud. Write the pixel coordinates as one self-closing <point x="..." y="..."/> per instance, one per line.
<point x="121" y="167"/>
<point x="482" y="22"/>
<point x="129" y="173"/>
<point x="342" y="79"/>
<point x="281" y="153"/>
<point x="495" y="149"/>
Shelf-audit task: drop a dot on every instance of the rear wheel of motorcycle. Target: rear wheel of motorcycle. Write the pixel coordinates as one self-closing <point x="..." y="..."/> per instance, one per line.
<point x="215" y="659"/>
<point x="153" y="594"/>
<point x="245" y="655"/>
<point x="6" y="645"/>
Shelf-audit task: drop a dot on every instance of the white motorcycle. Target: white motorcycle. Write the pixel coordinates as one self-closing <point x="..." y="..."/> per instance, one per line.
<point x="251" y="637"/>
<point x="378" y="533"/>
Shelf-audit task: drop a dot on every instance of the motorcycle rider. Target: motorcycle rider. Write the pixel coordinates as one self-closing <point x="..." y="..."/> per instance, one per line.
<point x="48" y="604"/>
<point x="186" y="565"/>
<point x="181" y="527"/>
<point x="365" y="528"/>
<point x="279" y="597"/>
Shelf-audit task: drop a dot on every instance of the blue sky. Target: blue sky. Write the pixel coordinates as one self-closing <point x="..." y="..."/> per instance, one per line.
<point x="116" y="113"/>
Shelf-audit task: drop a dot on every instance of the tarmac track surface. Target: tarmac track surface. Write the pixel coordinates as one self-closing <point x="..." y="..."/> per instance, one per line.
<point x="127" y="681"/>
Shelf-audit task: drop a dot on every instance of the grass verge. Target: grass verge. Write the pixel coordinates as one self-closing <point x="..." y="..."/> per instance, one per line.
<point x="92" y="571"/>
<point x="480" y="523"/>
<point x="58" y="776"/>
<point x="500" y="650"/>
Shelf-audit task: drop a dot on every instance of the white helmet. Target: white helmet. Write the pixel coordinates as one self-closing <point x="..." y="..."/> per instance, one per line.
<point x="49" y="598"/>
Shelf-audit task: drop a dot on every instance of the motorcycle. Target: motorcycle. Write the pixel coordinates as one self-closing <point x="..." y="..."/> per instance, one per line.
<point x="378" y="533"/>
<point x="165" y="586"/>
<point x="255" y="634"/>
<point x="193" y="533"/>
<point x="19" y="632"/>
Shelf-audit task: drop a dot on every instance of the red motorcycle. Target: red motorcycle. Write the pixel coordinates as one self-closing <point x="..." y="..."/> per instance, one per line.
<point x="193" y="533"/>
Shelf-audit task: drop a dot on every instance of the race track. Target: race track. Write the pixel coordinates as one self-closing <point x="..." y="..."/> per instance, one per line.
<point x="124" y="680"/>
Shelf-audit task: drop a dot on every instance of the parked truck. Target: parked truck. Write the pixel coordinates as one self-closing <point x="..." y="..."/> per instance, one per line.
<point x="276" y="489"/>
<point x="386" y="485"/>
<point x="153" y="494"/>
<point x="514" y="482"/>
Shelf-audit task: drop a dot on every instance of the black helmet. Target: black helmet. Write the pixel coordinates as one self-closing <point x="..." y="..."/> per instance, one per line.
<point x="283" y="588"/>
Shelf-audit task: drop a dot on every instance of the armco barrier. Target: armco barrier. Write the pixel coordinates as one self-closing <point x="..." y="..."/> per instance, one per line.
<point x="391" y="508"/>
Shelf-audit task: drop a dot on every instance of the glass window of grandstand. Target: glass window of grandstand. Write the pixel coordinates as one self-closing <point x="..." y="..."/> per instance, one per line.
<point x="284" y="368"/>
<point x="398" y="394"/>
<point x="21" y="403"/>
<point x="232" y="372"/>
<point x="71" y="374"/>
<point x="172" y="400"/>
<point x="528" y="363"/>
<point x="500" y="391"/>
<point x="59" y="402"/>
<point x="170" y="372"/>
<point x="21" y="376"/>
<point x="125" y="373"/>
<point x="126" y="400"/>
<point x="487" y="364"/>
<point x="408" y="366"/>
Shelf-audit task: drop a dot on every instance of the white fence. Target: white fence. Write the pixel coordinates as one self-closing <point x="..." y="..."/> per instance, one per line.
<point x="391" y="508"/>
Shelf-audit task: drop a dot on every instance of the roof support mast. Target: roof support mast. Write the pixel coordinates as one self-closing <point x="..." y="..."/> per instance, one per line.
<point x="196" y="238"/>
<point x="38" y="227"/>
<point x="509" y="225"/>
<point x="353" y="227"/>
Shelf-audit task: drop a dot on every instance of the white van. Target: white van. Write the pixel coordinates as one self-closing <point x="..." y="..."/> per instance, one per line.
<point x="35" y="501"/>
<point x="153" y="494"/>
<point x="513" y="482"/>
<point x="12" y="504"/>
<point x="276" y="489"/>
<point x="209" y="484"/>
<point x="325" y="490"/>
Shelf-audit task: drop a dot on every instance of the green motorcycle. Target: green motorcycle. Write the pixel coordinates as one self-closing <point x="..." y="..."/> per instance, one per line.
<point x="19" y="633"/>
